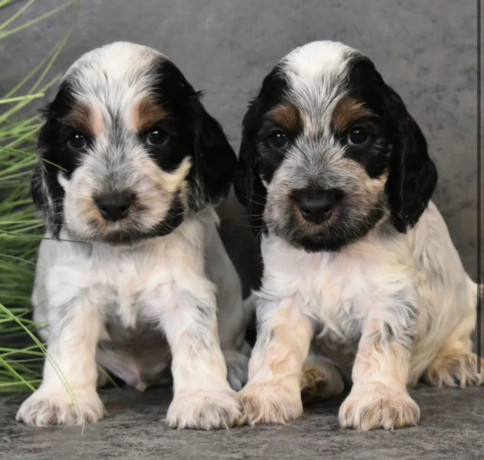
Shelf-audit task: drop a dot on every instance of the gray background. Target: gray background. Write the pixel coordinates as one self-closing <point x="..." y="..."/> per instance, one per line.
<point x="426" y="49"/>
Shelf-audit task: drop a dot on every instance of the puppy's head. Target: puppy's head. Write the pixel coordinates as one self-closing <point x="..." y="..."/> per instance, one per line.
<point x="329" y="150"/>
<point x="127" y="149"/>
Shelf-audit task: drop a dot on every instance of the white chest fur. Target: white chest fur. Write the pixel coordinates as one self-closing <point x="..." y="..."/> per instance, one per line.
<point x="123" y="280"/>
<point x="337" y="289"/>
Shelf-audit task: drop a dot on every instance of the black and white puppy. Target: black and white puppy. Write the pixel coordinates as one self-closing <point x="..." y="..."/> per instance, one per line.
<point x="130" y="166"/>
<point x="358" y="263"/>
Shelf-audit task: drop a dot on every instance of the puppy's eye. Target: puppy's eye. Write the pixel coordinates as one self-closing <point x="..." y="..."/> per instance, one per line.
<point x="156" y="137"/>
<point x="357" y="135"/>
<point x="77" y="141"/>
<point x="278" y="139"/>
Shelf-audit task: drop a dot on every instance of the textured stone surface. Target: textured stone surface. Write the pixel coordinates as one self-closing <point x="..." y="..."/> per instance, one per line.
<point x="451" y="428"/>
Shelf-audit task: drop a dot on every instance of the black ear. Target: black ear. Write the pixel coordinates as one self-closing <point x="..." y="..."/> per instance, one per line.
<point x="215" y="158"/>
<point x="412" y="175"/>
<point x="249" y="188"/>
<point x="47" y="193"/>
<point x="248" y="185"/>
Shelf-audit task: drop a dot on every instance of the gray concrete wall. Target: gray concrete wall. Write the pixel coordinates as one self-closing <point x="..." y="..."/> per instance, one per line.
<point x="426" y="49"/>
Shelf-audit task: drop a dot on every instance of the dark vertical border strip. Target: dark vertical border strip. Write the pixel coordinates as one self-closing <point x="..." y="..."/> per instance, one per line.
<point x="479" y="191"/>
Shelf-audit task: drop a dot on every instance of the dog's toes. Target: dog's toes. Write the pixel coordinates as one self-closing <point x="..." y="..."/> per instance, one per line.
<point x="204" y="410"/>
<point x="44" y="408"/>
<point x="373" y="406"/>
<point x="455" y="369"/>
<point x="271" y="404"/>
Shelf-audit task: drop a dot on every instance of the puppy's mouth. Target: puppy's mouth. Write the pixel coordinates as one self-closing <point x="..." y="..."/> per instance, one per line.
<point x="330" y="233"/>
<point x="128" y="229"/>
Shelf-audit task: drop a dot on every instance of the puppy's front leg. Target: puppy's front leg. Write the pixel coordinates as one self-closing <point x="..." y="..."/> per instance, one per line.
<point x="67" y="395"/>
<point x="379" y="396"/>
<point x="202" y="396"/>
<point x="273" y="394"/>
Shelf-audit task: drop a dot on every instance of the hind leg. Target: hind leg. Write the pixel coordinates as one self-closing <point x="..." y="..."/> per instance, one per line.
<point x="320" y="378"/>
<point x="455" y="366"/>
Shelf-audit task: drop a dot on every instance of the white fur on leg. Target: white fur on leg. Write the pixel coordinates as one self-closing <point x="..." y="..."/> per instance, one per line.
<point x="73" y="335"/>
<point x="379" y="397"/>
<point x="202" y="397"/>
<point x="273" y="394"/>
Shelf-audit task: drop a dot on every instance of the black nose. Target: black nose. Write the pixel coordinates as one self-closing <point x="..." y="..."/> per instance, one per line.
<point x="114" y="206"/>
<point x="315" y="205"/>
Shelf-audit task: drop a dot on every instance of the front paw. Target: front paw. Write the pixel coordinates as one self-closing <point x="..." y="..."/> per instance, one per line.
<point x="204" y="410"/>
<point x="56" y="407"/>
<point x="278" y="403"/>
<point x="373" y="406"/>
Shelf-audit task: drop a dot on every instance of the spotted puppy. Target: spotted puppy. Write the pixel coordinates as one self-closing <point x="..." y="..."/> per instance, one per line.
<point x="358" y="264"/>
<point x="132" y="267"/>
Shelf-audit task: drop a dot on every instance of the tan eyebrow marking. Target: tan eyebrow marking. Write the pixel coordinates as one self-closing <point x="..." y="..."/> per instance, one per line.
<point x="146" y="114"/>
<point x="346" y="112"/>
<point x="85" y="119"/>
<point x="287" y="117"/>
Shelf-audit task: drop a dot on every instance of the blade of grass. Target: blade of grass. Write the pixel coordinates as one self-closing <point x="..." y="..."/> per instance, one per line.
<point x="16" y="15"/>
<point x="37" y="19"/>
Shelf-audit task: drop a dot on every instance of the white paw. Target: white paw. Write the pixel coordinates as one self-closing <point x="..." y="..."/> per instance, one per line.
<point x="55" y="407"/>
<point x="272" y="403"/>
<point x="373" y="406"/>
<point x="204" y="410"/>
<point x="237" y="368"/>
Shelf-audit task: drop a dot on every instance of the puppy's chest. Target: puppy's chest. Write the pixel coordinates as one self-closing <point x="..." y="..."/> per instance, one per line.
<point x="338" y="295"/>
<point x="125" y="284"/>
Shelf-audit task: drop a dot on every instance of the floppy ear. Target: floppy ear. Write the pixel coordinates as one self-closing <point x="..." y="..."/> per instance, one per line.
<point x="215" y="158"/>
<point x="46" y="191"/>
<point x="248" y="185"/>
<point x="412" y="175"/>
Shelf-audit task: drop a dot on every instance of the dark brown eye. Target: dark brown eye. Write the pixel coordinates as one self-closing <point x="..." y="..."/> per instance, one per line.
<point x="278" y="139"/>
<point x="156" y="137"/>
<point x="77" y="141"/>
<point x="357" y="135"/>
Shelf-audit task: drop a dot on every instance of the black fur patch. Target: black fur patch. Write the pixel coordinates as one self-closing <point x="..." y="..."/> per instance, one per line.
<point x="55" y="155"/>
<point x="193" y="133"/>
<point x="252" y="163"/>
<point x="412" y="174"/>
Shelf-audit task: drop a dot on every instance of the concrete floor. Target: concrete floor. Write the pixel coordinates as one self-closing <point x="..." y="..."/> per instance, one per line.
<point x="451" y="428"/>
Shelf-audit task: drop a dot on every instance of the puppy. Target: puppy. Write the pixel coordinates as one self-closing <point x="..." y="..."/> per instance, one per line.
<point x="132" y="267"/>
<point x="358" y="264"/>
